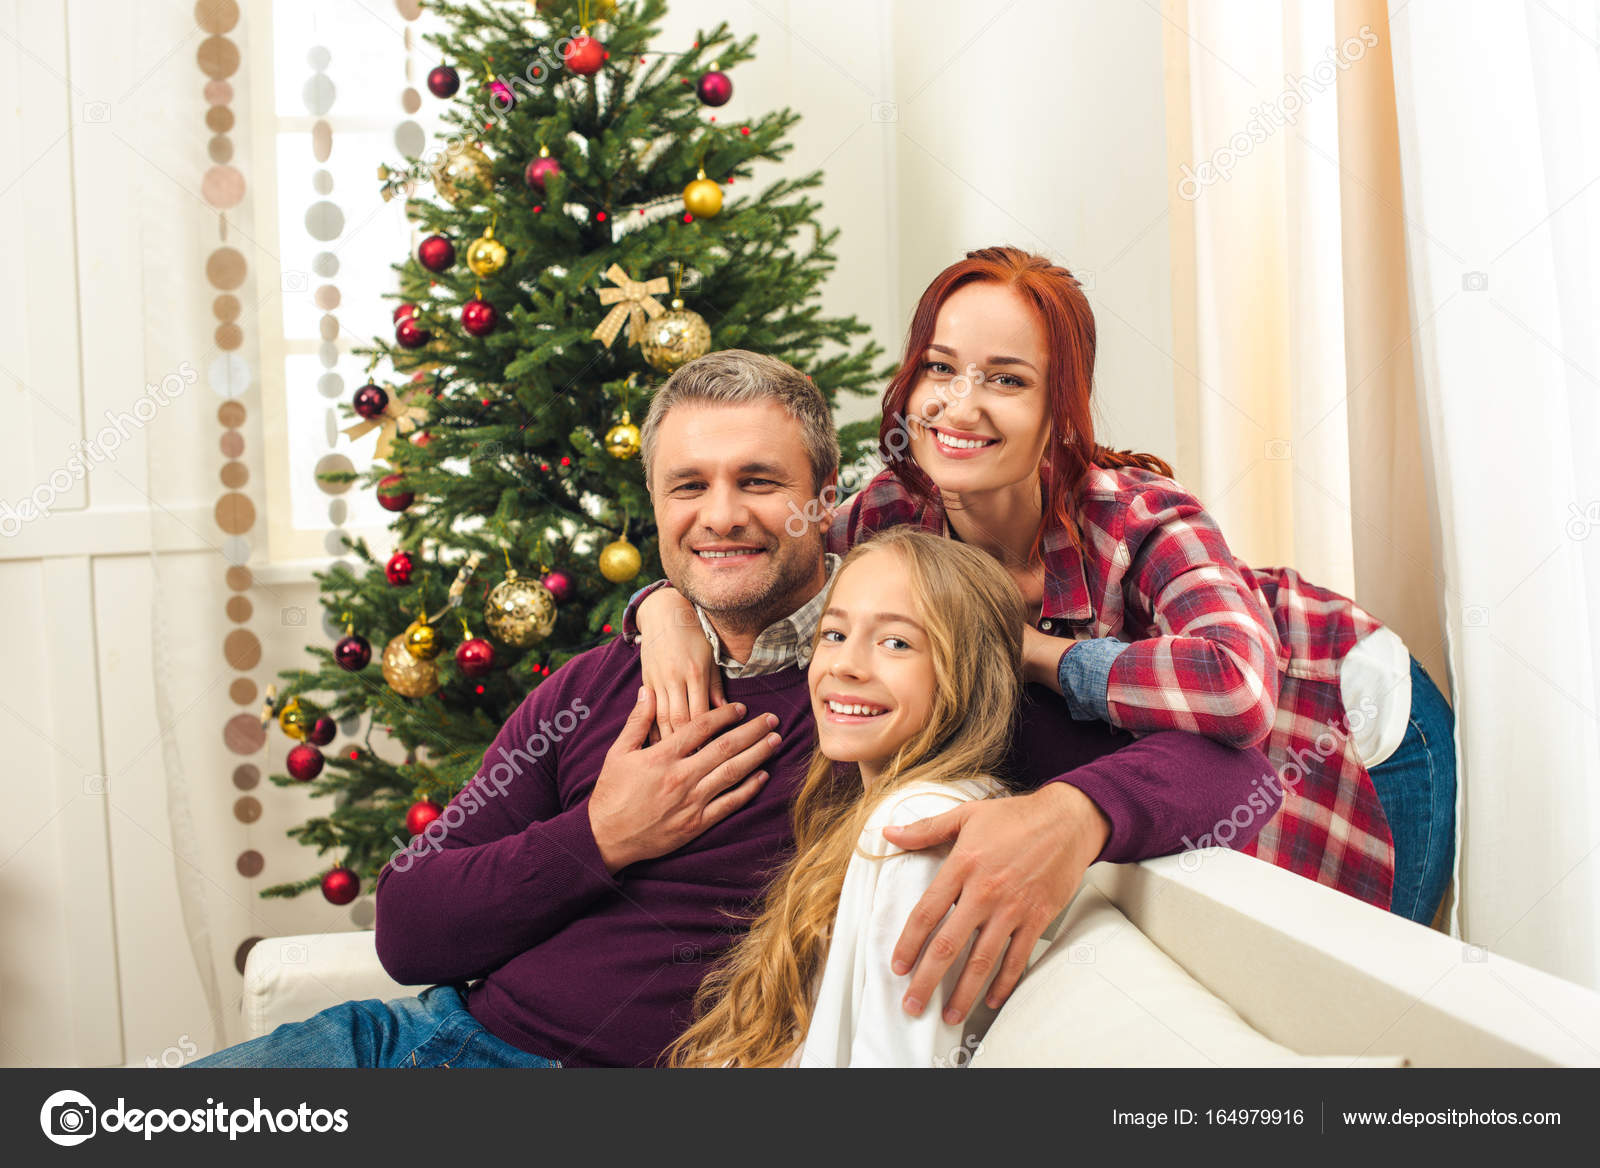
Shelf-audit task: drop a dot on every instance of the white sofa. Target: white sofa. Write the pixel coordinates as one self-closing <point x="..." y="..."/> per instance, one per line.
<point x="1210" y="958"/>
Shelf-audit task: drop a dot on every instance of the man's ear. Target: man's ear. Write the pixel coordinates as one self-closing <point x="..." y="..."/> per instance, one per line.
<point x="828" y="497"/>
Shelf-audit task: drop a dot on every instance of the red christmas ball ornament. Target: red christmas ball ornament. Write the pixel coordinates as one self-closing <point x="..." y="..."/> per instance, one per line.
<point x="559" y="584"/>
<point x="422" y="813"/>
<point x="502" y="96"/>
<point x="305" y="762"/>
<point x="443" y="81"/>
<point x="371" y="401"/>
<point x="322" y="731"/>
<point x="352" y="652"/>
<point x="479" y="317"/>
<point x="390" y="496"/>
<point x="421" y="438"/>
<point x="540" y="169"/>
<point x="398" y="569"/>
<point x="584" y="55"/>
<point x="475" y="657"/>
<point x="436" y="253"/>
<point x="341" y="886"/>
<point x="404" y="311"/>
<point x="715" y="88"/>
<point x="408" y="334"/>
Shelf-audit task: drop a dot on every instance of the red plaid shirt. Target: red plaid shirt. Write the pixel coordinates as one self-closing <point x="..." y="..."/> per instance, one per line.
<point x="1216" y="648"/>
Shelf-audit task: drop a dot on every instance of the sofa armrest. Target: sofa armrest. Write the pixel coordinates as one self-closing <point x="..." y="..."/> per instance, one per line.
<point x="288" y="979"/>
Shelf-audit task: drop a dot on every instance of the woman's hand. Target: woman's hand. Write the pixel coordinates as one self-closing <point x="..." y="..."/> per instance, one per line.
<point x="677" y="661"/>
<point x="1041" y="656"/>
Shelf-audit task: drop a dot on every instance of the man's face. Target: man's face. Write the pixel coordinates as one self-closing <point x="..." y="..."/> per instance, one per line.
<point x="726" y="480"/>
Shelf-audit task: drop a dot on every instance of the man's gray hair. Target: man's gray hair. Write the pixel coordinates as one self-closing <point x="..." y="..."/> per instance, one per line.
<point x="731" y="377"/>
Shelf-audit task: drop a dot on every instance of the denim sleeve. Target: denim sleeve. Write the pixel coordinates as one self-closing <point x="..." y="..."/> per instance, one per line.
<point x="1085" y="672"/>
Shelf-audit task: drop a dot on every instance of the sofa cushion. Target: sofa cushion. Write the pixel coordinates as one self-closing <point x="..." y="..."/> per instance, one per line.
<point x="1104" y="995"/>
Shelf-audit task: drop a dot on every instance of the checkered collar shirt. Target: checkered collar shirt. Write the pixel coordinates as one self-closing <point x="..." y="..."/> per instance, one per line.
<point x="781" y="644"/>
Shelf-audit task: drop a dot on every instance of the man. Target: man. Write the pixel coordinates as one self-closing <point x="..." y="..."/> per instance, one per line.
<point x="587" y="878"/>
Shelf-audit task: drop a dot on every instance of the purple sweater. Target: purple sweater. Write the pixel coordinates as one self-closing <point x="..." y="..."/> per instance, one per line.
<point x="596" y="970"/>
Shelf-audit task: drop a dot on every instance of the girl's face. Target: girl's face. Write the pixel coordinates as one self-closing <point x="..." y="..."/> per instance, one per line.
<point x="871" y="677"/>
<point x="979" y="415"/>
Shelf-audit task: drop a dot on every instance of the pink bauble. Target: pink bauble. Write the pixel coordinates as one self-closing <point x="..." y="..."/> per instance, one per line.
<point x="540" y="169"/>
<point x="559" y="584"/>
<point x="715" y="88"/>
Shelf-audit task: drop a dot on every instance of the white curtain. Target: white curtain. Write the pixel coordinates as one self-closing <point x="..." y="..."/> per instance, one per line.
<point x="1500" y="150"/>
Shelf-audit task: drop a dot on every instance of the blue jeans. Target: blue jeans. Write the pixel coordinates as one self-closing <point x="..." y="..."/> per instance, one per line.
<point x="432" y="1029"/>
<point x="1417" y="788"/>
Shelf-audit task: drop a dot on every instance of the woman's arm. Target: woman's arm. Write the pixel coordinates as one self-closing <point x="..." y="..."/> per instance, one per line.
<point x="1212" y="669"/>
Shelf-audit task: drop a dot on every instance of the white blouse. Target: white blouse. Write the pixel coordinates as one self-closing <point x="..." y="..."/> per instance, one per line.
<point x="857" y="1020"/>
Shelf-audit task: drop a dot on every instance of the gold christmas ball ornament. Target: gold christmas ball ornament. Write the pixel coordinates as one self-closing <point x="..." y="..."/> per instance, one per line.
<point x="486" y="255"/>
<point x="702" y="198"/>
<point x="675" y="338"/>
<point x="407" y="676"/>
<point x="461" y="174"/>
<point x="619" y="561"/>
<point x="422" y="641"/>
<point x="520" y="612"/>
<point x="295" y="720"/>
<point x="622" y="440"/>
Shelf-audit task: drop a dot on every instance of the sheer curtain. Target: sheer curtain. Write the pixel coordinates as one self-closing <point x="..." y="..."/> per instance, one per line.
<point x="1297" y="416"/>
<point x="1500" y="153"/>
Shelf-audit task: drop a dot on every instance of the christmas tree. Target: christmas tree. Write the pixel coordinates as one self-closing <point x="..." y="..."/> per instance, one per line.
<point x="586" y="180"/>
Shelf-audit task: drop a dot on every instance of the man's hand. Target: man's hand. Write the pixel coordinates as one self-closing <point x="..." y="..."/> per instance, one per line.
<point x="1015" y="865"/>
<point x="649" y="801"/>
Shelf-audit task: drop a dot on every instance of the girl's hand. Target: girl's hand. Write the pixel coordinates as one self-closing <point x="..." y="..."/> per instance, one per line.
<point x="1041" y="656"/>
<point x="677" y="661"/>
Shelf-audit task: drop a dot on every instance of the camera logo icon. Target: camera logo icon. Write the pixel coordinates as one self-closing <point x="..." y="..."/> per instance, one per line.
<point x="294" y="281"/>
<point x="884" y="111"/>
<point x="68" y="1118"/>
<point x="1474" y="281"/>
<point x="97" y="111"/>
<point x="1277" y="449"/>
<point x="686" y="954"/>
<point x="294" y="616"/>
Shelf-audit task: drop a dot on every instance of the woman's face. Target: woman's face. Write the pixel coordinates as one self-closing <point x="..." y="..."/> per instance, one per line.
<point x="979" y="414"/>
<point x="871" y="677"/>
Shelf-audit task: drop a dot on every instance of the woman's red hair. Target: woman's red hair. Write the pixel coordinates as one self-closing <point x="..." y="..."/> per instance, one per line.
<point x="1063" y="311"/>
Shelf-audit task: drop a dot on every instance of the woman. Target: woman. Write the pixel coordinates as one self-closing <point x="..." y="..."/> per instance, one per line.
<point x="914" y="679"/>
<point x="990" y="438"/>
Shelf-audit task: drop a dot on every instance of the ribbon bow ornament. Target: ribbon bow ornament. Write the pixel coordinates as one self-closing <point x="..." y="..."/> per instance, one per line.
<point x="398" y="417"/>
<point x="632" y="300"/>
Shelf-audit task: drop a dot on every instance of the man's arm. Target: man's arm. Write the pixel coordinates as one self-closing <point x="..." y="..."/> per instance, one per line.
<point x="1016" y="863"/>
<point x="503" y="867"/>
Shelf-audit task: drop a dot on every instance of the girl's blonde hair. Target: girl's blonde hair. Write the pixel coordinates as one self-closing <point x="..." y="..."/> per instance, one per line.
<point x="754" y="1008"/>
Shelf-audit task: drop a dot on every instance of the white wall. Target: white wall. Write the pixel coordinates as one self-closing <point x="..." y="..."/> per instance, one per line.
<point x="940" y="126"/>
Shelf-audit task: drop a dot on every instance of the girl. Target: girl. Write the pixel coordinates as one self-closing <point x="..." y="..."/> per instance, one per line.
<point x="1137" y="612"/>
<point x="914" y="680"/>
